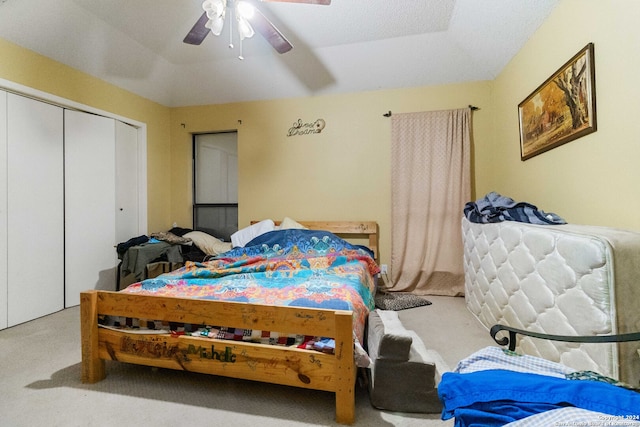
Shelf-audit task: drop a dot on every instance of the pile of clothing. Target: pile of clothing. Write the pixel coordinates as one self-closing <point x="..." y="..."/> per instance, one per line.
<point x="496" y="208"/>
<point x="496" y="387"/>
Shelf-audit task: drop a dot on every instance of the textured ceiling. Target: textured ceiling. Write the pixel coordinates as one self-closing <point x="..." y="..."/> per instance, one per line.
<point x="349" y="46"/>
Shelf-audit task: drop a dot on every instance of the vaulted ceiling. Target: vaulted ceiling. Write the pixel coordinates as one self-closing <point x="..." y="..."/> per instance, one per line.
<point x="349" y="46"/>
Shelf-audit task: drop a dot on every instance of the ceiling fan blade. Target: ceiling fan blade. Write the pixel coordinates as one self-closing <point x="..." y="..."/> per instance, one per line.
<point x="275" y="38"/>
<point x="321" y="2"/>
<point x="199" y="31"/>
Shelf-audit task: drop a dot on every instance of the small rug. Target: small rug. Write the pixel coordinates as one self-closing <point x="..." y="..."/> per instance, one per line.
<point x="399" y="300"/>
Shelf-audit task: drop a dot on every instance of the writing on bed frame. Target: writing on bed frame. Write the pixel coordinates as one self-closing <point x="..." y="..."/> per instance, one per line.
<point x="301" y="128"/>
<point x="148" y="348"/>
<point x="204" y="353"/>
<point x="161" y="349"/>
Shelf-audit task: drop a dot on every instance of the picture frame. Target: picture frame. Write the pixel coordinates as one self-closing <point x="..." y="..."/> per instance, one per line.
<point x="561" y="109"/>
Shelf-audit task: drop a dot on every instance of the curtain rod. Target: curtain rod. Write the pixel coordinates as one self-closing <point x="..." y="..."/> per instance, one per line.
<point x="472" y="107"/>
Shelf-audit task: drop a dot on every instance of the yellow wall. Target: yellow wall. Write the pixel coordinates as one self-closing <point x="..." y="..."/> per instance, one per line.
<point x="595" y="179"/>
<point x="343" y="173"/>
<point x="29" y="69"/>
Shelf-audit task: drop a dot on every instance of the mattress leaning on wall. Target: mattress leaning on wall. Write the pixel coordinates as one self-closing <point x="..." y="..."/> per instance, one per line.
<point x="558" y="279"/>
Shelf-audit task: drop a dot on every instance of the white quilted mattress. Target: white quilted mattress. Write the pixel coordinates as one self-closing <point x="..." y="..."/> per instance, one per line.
<point x="558" y="279"/>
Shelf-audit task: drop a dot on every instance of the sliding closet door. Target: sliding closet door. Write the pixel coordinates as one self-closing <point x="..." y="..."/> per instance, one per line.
<point x="35" y="236"/>
<point x="3" y="210"/>
<point x="89" y="159"/>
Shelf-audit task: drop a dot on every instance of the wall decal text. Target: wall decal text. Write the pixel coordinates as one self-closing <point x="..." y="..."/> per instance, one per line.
<point x="306" y="128"/>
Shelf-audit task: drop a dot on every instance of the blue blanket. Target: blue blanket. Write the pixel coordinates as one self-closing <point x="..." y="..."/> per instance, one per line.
<point x="497" y="397"/>
<point x="496" y="208"/>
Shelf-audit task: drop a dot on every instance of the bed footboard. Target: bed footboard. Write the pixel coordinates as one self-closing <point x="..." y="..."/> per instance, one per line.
<point x="272" y="364"/>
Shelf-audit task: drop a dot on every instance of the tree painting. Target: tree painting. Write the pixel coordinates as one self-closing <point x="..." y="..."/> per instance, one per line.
<point x="561" y="109"/>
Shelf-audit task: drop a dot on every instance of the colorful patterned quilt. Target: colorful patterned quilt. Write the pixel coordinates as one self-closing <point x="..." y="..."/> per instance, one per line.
<point x="302" y="268"/>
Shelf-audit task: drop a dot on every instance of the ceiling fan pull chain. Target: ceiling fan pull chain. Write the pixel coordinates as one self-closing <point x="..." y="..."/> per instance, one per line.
<point x="240" y="57"/>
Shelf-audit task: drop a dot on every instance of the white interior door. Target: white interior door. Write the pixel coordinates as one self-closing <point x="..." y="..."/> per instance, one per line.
<point x="3" y="210"/>
<point x="35" y="223"/>
<point x="127" y="182"/>
<point x="91" y="259"/>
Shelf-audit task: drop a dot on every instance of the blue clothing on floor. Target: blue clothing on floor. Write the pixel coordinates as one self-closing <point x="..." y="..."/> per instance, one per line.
<point x="496" y="397"/>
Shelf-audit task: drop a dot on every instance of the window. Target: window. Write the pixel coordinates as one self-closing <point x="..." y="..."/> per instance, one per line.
<point x="215" y="183"/>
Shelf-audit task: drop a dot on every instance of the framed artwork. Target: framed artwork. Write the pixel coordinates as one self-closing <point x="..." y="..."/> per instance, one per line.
<point x="561" y="109"/>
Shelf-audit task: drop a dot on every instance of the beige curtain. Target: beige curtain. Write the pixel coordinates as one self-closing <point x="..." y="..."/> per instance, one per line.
<point x="430" y="168"/>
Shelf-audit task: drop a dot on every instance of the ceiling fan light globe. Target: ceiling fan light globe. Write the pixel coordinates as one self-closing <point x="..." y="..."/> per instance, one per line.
<point x="244" y="28"/>
<point x="216" y="14"/>
<point x="215" y="25"/>
<point x="214" y="8"/>
<point x="245" y="9"/>
<point x="207" y="6"/>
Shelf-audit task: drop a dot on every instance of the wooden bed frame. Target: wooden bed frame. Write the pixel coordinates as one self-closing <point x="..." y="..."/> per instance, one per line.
<point x="272" y="364"/>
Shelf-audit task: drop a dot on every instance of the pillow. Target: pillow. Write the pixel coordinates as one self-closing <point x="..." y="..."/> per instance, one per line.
<point x="223" y="233"/>
<point x="399" y="300"/>
<point x="169" y="237"/>
<point x="207" y="243"/>
<point x="180" y="231"/>
<point x="243" y="236"/>
<point x="287" y="223"/>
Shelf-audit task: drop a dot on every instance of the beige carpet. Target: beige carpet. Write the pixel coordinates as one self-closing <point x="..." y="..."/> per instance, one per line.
<point x="40" y="379"/>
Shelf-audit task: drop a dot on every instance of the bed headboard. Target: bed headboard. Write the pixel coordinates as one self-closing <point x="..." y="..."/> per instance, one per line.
<point x="347" y="229"/>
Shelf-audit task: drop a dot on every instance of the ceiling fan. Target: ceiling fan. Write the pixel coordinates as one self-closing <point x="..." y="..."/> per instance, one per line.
<point x="247" y="18"/>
